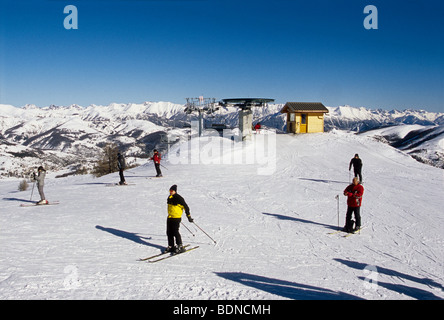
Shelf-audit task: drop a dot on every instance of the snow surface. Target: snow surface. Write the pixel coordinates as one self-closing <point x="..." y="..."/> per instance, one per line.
<point x="272" y="231"/>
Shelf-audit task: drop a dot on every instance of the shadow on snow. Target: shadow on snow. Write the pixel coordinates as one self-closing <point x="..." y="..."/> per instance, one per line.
<point x="413" y="292"/>
<point x="20" y="200"/>
<point x="282" y="217"/>
<point x="130" y="236"/>
<point x="325" y="181"/>
<point x="286" y="289"/>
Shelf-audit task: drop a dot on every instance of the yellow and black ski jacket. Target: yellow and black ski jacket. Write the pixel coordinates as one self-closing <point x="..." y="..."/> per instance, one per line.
<point x="176" y="205"/>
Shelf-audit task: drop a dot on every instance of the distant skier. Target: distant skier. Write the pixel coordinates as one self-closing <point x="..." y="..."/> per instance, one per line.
<point x="354" y="193"/>
<point x="257" y="127"/>
<point x="156" y="158"/>
<point x="40" y="179"/>
<point x="356" y="162"/>
<point x="176" y="205"/>
<point x="121" y="164"/>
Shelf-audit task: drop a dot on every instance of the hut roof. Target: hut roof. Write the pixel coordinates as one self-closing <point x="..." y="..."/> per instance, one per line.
<point x="304" y="107"/>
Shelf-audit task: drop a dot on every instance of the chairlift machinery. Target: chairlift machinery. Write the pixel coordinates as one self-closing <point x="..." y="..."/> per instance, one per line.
<point x="245" y="106"/>
<point x="209" y="106"/>
<point x="202" y="106"/>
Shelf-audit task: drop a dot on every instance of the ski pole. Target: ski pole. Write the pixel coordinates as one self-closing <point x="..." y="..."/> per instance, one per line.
<point x="32" y="192"/>
<point x="205" y="232"/>
<point x="163" y="166"/>
<point x="337" y="198"/>
<point x="188" y="229"/>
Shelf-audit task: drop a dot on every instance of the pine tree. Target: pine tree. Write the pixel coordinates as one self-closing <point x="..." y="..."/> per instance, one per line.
<point x="108" y="161"/>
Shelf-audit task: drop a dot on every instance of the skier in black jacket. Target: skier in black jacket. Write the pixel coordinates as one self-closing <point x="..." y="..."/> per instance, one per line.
<point x="176" y="206"/>
<point x="121" y="164"/>
<point x="356" y="162"/>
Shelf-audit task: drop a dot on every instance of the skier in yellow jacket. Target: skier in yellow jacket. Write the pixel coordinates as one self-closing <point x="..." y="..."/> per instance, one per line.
<point x="176" y="205"/>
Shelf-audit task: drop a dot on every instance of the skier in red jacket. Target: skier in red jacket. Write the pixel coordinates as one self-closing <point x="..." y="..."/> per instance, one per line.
<point x="257" y="127"/>
<point x="156" y="158"/>
<point x="354" y="194"/>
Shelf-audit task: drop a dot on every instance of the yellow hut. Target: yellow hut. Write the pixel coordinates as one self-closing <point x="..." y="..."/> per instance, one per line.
<point x="304" y="117"/>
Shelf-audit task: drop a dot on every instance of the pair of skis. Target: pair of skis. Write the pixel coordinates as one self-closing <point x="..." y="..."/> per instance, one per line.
<point x="52" y="203"/>
<point x="348" y="234"/>
<point x="119" y="185"/>
<point x="167" y="255"/>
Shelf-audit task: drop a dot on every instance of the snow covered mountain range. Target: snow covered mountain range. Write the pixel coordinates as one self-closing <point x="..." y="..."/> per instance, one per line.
<point x="71" y="137"/>
<point x="416" y="132"/>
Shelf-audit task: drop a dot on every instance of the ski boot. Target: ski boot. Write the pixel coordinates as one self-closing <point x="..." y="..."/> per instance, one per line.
<point x="349" y="227"/>
<point x="170" y="249"/>
<point x="180" y="249"/>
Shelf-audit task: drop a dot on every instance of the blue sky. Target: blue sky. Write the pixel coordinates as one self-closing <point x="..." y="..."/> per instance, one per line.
<point x="168" y="50"/>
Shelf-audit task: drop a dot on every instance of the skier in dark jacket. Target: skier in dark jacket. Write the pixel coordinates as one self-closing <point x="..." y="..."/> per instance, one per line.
<point x="121" y="164"/>
<point x="40" y="178"/>
<point x="356" y="162"/>
<point x="354" y="193"/>
<point x="176" y="206"/>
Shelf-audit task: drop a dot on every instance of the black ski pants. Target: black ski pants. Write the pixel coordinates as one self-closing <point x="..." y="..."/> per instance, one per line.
<point x="122" y="177"/>
<point x="158" y="171"/>
<point x="350" y="211"/>
<point x="173" y="225"/>
<point x="358" y="174"/>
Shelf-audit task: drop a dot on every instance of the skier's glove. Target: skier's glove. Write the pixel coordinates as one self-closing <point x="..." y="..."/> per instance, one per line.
<point x="190" y="219"/>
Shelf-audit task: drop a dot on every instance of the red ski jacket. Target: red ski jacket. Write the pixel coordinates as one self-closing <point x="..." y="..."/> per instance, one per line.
<point x="156" y="158"/>
<point x="354" y="195"/>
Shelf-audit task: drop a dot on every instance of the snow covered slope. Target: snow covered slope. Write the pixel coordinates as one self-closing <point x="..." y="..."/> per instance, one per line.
<point x="66" y="137"/>
<point x="423" y="143"/>
<point x="272" y="231"/>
